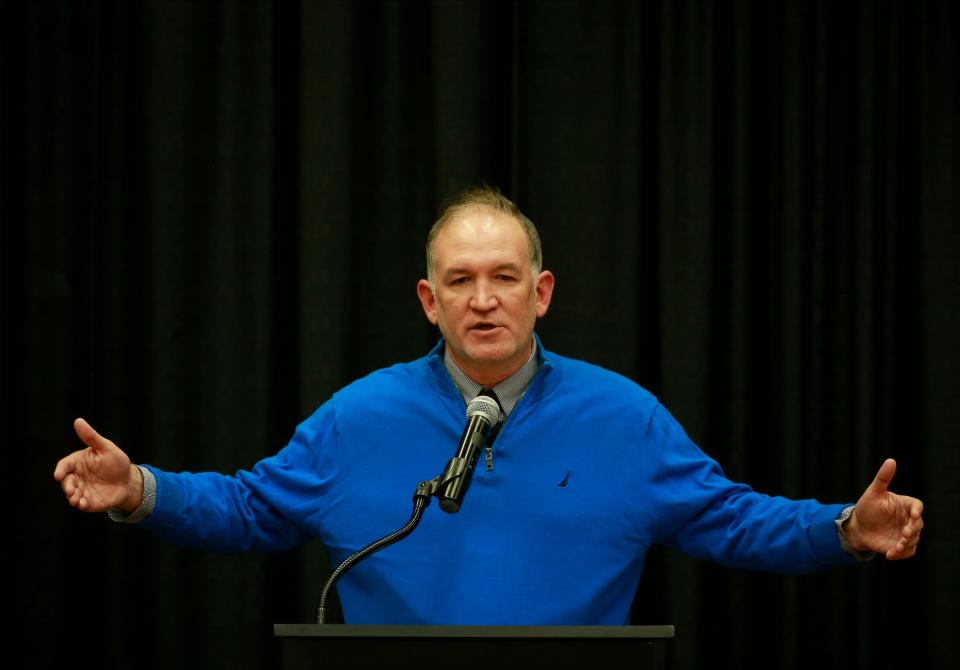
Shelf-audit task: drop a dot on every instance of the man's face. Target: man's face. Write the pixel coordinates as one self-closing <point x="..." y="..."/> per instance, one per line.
<point x="485" y="298"/>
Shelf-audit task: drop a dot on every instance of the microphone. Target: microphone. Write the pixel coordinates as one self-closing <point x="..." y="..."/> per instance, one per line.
<point x="482" y="414"/>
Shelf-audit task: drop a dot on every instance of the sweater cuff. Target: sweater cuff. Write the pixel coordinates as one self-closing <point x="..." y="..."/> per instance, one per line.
<point x="841" y="533"/>
<point x="146" y="505"/>
<point x="822" y="534"/>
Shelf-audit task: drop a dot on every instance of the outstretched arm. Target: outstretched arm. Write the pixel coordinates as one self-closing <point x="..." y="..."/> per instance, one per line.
<point x="99" y="477"/>
<point x="885" y="522"/>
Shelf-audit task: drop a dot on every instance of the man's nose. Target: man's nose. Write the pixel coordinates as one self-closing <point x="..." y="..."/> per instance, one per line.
<point x="484" y="297"/>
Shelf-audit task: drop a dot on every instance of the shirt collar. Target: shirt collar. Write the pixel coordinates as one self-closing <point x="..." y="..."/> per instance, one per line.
<point x="509" y="391"/>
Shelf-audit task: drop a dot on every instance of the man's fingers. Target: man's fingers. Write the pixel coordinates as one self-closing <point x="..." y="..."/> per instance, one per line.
<point x="913" y="527"/>
<point x="884" y="477"/>
<point x="914" y="524"/>
<point x="64" y="467"/>
<point x="73" y="490"/>
<point x="906" y="546"/>
<point x="909" y="536"/>
<point x="67" y="485"/>
<point x="897" y="553"/>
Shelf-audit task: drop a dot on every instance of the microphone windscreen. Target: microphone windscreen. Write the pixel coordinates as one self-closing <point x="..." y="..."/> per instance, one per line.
<point x="486" y="407"/>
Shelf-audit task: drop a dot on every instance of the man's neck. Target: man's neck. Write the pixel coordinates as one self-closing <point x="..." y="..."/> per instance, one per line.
<point x="490" y="377"/>
<point x="508" y="389"/>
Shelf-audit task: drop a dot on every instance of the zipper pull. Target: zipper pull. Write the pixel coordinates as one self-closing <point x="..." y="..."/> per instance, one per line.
<point x="489" y="457"/>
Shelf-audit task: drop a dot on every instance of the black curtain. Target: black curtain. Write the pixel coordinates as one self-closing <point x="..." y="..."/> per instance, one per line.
<point x="214" y="216"/>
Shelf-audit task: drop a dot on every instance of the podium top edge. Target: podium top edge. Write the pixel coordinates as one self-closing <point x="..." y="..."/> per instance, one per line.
<point x="353" y="630"/>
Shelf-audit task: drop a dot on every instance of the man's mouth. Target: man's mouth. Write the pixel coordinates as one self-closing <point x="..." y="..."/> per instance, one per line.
<point x="484" y="326"/>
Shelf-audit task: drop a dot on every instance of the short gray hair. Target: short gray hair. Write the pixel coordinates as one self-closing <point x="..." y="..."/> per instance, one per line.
<point x="492" y="198"/>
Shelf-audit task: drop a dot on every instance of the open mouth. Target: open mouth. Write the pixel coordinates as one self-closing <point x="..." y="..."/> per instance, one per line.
<point x="484" y="326"/>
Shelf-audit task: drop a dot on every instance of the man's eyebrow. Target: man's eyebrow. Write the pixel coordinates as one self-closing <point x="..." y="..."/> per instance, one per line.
<point x="455" y="271"/>
<point x="513" y="267"/>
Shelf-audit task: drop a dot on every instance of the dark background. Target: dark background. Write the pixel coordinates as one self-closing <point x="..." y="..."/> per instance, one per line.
<point x="214" y="216"/>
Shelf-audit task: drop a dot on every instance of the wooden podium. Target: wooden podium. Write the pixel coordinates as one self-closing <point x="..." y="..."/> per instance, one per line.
<point x="330" y="645"/>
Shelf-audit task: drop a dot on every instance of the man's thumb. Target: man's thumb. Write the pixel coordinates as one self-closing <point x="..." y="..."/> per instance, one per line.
<point x="89" y="436"/>
<point x="884" y="476"/>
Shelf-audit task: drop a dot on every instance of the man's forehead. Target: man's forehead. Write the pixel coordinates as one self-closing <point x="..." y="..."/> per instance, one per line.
<point x="491" y="238"/>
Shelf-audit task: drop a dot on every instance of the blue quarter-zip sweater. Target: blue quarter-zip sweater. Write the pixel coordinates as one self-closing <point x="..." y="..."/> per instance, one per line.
<point x="590" y="471"/>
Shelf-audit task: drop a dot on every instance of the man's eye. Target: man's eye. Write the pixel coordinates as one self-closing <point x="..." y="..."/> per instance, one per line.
<point x="458" y="281"/>
<point x="506" y="278"/>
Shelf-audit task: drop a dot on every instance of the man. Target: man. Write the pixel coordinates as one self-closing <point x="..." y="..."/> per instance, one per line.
<point x="586" y="472"/>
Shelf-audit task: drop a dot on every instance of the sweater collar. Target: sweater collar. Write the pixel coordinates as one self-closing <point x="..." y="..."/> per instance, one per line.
<point x="545" y="378"/>
<point x="508" y="392"/>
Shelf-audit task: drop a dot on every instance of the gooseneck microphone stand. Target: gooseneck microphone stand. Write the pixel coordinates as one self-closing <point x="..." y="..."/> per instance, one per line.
<point x="421" y="499"/>
<point x="450" y="487"/>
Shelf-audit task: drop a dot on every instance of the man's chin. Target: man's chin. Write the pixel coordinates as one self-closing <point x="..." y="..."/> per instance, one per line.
<point x="493" y="353"/>
<point x="488" y="354"/>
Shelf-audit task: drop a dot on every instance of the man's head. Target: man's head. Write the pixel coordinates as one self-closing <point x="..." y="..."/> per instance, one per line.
<point x="485" y="289"/>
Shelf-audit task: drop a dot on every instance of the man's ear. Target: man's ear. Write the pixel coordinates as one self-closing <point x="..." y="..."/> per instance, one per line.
<point x="544" y="292"/>
<point x="427" y="300"/>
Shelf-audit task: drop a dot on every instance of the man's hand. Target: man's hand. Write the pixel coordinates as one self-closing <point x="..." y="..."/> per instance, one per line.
<point x="99" y="477"/>
<point x="884" y="522"/>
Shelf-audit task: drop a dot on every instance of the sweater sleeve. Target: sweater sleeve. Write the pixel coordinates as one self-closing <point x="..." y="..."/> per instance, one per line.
<point x="273" y="506"/>
<point x="702" y="513"/>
